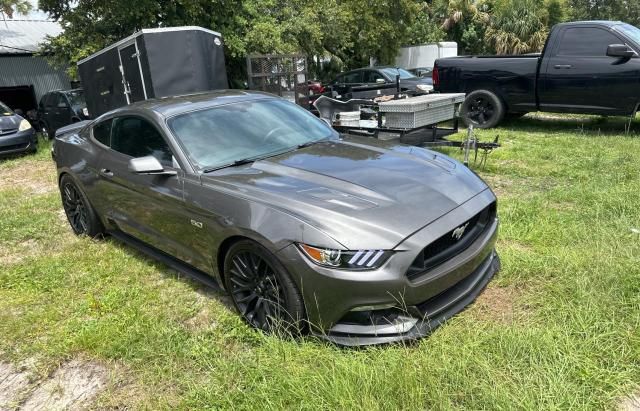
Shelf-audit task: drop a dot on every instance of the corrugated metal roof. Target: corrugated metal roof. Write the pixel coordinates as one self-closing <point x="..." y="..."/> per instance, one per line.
<point x="23" y="36"/>
<point x="21" y="70"/>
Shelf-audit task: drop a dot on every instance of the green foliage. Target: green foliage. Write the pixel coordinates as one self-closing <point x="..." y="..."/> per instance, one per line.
<point x="425" y="28"/>
<point x="624" y="10"/>
<point x="465" y="22"/>
<point x="350" y="30"/>
<point x="518" y="26"/>
<point x="9" y="7"/>
<point x="557" y="11"/>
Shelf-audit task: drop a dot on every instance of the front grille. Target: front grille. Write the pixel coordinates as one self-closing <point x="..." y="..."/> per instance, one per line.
<point x="6" y="131"/>
<point x="449" y="245"/>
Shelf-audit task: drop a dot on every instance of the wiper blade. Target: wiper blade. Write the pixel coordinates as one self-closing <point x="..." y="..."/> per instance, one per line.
<point x="310" y="143"/>
<point x="233" y="164"/>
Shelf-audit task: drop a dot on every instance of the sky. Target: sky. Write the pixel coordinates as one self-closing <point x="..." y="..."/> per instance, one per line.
<point x="35" y="14"/>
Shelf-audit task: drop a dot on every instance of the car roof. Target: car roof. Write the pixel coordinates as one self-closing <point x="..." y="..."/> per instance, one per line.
<point x="171" y="106"/>
<point x="607" y="23"/>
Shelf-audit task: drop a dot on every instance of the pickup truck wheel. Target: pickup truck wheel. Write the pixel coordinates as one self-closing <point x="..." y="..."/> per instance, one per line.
<point x="482" y="109"/>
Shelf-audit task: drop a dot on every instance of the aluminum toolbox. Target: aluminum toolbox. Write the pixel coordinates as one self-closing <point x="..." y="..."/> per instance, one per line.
<point x="420" y="111"/>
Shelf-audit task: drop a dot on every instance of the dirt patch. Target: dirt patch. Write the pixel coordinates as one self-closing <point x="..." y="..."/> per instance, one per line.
<point x="631" y="403"/>
<point x="202" y="321"/>
<point x="14" y="385"/>
<point x="515" y="245"/>
<point x="35" y="177"/>
<point x="71" y="387"/>
<point x="500" y="304"/>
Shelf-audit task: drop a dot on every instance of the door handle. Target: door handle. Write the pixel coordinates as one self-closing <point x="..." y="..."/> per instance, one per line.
<point x="563" y="66"/>
<point x="105" y="172"/>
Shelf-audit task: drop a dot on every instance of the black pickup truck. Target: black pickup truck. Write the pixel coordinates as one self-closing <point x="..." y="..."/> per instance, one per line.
<point x="588" y="67"/>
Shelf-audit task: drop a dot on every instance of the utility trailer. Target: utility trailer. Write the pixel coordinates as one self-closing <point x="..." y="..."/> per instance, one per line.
<point x="411" y="120"/>
<point x="153" y="63"/>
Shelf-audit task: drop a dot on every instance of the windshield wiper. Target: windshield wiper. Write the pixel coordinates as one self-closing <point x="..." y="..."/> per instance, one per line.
<point x="248" y="160"/>
<point x="233" y="164"/>
<point x="312" y="142"/>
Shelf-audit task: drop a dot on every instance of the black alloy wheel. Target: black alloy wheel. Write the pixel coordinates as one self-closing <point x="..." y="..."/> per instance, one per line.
<point x="483" y="109"/>
<point x="80" y="214"/>
<point x="261" y="290"/>
<point x="75" y="208"/>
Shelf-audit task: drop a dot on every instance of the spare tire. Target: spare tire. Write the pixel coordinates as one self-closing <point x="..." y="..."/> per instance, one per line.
<point x="482" y="109"/>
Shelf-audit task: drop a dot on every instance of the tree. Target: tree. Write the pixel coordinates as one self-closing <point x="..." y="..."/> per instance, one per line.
<point x="625" y="10"/>
<point x="350" y="30"/>
<point x="465" y="22"/>
<point x="8" y="7"/>
<point x="425" y="27"/>
<point x="518" y="27"/>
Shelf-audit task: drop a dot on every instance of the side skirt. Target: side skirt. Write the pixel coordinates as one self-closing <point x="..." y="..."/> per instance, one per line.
<point x="168" y="260"/>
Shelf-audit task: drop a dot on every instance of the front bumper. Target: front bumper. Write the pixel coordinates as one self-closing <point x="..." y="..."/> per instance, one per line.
<point x="18" y="142"/>
<point x="420" y="304"/>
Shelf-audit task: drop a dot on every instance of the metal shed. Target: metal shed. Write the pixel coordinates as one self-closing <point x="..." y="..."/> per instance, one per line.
<point x="25" y="77"/>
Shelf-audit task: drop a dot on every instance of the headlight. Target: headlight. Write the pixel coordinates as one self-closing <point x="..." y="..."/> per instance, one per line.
<point x="348" y="260"/>
<point x="85" y="111"/>
<point x="24" y="125"/>
<point x="424" y="87"/>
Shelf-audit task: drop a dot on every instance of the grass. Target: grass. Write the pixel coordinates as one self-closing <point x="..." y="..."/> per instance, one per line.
<point x="558" y="328"/>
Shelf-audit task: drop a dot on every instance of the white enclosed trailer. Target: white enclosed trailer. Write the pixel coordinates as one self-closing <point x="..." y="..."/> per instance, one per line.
<point x="425" y="55"/>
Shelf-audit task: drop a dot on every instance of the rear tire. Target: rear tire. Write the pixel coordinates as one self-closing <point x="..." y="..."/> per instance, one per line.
<point x="482" y="109"/>
<point x="81" y="216"/>
<point x="261" y="289"/>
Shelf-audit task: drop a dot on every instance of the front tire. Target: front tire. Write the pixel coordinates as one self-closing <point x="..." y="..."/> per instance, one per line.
<point x="482" y="109"/>
<point x="81" y="216"/>
<point x="261" y="289"/>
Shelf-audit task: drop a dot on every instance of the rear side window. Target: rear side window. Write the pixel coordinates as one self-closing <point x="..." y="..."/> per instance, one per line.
<point x="586" y="42"/>
<point x="355" y="77"/>
<point x="136" y="137"/>
<point x="102" y="132"/>
<point x="371" y="76"/>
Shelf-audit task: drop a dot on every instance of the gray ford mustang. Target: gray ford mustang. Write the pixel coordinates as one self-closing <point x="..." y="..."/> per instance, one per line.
<point x="355" y="240"/>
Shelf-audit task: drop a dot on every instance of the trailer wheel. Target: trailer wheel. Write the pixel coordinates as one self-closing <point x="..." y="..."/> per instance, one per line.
<point x="482" y="109"/>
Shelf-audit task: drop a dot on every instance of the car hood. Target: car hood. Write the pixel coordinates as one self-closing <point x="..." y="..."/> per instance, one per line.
<point x="361" y="195"/>
<point x="10" y="122"/>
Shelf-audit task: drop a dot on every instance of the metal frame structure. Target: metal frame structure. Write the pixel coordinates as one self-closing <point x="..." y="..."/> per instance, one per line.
<point x="280" y="74"/>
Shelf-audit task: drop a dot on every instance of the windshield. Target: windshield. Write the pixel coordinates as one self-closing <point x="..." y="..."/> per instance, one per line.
<point x="4" y="110"/>
<point x="76" y="98"/>
<point x="630" y="31"/>
<point x="222" y="135"/>
<point x="392" y="72"/>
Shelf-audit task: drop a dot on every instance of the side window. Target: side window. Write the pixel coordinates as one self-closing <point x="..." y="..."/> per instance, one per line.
<point x="102" y="132"/>
<point x="51" y="100"/>
<point x="355" y="77"/>
<point x="586" y="42"/>
<point x="371" y="76"/>
<point x="137" y="137"/>
<point x="61" y="101"/>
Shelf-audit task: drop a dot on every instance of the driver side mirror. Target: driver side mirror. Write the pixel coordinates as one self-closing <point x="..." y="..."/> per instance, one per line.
<point x="380" y="81"/>
<point x="620" y="50"/>
<point x="149" y="165"/>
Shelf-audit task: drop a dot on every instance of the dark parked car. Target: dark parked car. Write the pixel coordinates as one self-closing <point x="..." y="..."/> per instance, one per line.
<point x="356" y="241"/>
<point x="380" y="76"/>
<point x="60" y="108"/>
<point x="588" y="67"/>
<point x="16" y="133"/>
<point x="424" y="72"/>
